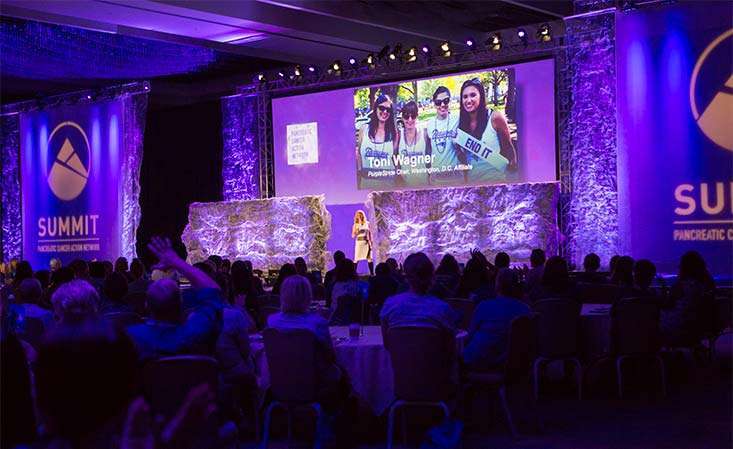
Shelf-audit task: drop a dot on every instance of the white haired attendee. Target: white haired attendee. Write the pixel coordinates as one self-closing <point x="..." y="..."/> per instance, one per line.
<point x="74" y="302"/>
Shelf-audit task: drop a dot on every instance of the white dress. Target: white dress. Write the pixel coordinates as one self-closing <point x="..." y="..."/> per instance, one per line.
<point x="361" y="244"/>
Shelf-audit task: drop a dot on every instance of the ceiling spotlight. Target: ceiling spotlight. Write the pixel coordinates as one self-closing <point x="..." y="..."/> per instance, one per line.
<point x="297" y="71"/>
<point x="395" y="53"/>
<point x="425" y="49"/>
<point x="281" y="74"/>
<point x="543" y="33"/>
<point x="311" y="68"/>
<point x="469" y="43"/>
<point x="89" y="97"/>
<point x="261" y="77"/>
<point x="522" y="35"/>
<point x="370" y="60"/>
<point x="411" y="55"/>
<point x="335" y="68"/>
<point x="494" y="42"/>
<point x="445" y="49"/>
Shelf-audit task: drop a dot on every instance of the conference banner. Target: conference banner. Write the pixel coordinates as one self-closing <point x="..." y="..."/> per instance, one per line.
<point x="675" y="116"/>
<point x="70" y="182"/>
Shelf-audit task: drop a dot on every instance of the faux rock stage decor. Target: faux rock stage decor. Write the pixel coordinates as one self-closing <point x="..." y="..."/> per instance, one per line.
<point x="512" y="218"/>
<point x="269" y="232"/>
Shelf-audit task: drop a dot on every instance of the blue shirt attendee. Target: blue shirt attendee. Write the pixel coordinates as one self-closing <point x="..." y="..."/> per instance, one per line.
<point x="232" y="346"/>
<point x="488" y="335"/>
<point x="28" y="297"/>
<point x="114" y="290"/>
<point x="416" y="307"/>
<point x="166" y="333"/>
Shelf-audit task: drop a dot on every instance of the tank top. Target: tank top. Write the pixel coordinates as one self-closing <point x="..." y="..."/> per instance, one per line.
<point x="376" y="160"/>
<point x="414" y="174"/>
<point x="441" y="134"/>
<point x="481" y="170"/>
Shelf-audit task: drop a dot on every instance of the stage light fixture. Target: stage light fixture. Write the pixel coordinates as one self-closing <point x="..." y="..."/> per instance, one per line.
<point x="297" y="72"/>
<point x="469" y="43"/>
<point x="494" y="42"/>
<point x="522" y="35"/>
<point x="281" y="74"/>
<point x="370" y="61"/>
<point x="543" y="33"/>
<point x="352" y="62"/>
<point x="411" y="55"/>
<point x="335" y="68"/>
<point x="261" y="77"/>
<point x="395" y="53"/>
<point x="383" y="53"/>
<point x="425" y="49"/>
<point x="311" y="68"/>
<point x="445" y="49"/>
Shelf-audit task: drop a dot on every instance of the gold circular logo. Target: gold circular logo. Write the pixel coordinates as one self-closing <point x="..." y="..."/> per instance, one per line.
<point x="68" y="175"/>
<point x="715" y="119"/>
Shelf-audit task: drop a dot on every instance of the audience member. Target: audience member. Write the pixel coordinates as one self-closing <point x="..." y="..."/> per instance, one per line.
<point x="690" y="302"/>
<point x="28" y="303"/>
<point x="167" y="333"/>
<point x="501" y="260"/>
<point x="286" y="271"/>
<point x="54" y="264"/>
<point x="623" y="272"/>
<point x="139" y="283"/>
<point x="85" y="378"/>
<point x="537" y="266"/>
<point x="44" y="277"/>
<point x="17" y="414"/>
<point x="447" y="277"/>
<point x="477" y="282"/>
<point x="81" y="269"/>
<point x="75" y="302"/>
<point x="416" y="307"/>
<point x="612" y="263"/>
<point x="114" y="291"/>
<point x="555" y="283"/>
<point x="347" y="284"/>
<point x="232" y="347"/>
<point x="488" y="334"/>
<point x="590" y="274"/>
<point x="381" y="286"/>
<point x="330" y="277"/>
<point x="394" y="269"/>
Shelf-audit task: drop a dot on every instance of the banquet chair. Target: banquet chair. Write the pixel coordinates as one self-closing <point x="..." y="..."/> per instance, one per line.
<point x="291" y="359"/>
<point x="465" y="307"/>
<point x="635" y="334"/>
<point x="423" y="361"/>
<point x="121" y="320"/>
<point x="557" y="321"/>
<point x="516" y="369"/>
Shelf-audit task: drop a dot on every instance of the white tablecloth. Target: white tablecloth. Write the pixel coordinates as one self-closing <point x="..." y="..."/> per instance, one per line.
<point x="365" y="360"/>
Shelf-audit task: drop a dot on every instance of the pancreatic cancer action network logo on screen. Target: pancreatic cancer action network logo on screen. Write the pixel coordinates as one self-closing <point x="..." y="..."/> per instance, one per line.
<point x="70" y="157"/>
<point x="715" y="119"/>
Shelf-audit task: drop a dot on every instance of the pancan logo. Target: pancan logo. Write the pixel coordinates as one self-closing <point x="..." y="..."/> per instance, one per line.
<point x="69" y="157"/>
<point x="714" y="118"/>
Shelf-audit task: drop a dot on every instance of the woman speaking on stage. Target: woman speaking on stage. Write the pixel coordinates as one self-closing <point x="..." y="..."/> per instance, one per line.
<point x="478" y="123"/>
<point x="363" y="241"/>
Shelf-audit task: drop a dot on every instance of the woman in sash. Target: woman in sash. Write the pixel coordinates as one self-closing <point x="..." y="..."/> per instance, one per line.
<point x="484" y="135"/>
<point x="411" y="145"/>
<point x="376" y="146"/>
<point x="362" y="240"/>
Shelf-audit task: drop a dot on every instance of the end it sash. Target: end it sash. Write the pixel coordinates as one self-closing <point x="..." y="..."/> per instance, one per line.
<point x="479" y="149"/>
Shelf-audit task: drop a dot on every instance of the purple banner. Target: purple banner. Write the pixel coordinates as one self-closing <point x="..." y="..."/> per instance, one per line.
<point x="70" y="170"/>
<point x="675" y="110"/>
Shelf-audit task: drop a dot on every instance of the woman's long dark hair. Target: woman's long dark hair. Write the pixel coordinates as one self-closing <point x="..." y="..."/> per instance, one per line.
<point x="389" y="126"/>
<point x="482" y="114"/>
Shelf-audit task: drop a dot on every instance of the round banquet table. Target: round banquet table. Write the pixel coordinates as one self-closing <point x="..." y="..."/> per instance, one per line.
<point x="365" y="359"/>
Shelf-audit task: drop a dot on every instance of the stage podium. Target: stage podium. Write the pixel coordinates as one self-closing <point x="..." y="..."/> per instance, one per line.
<point x="270" y="232"/>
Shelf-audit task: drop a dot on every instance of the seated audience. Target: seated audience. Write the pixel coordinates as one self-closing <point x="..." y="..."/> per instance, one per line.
<point x="44" y="277"/>
<point x="114" y="291"/>
<point x="167" y="333"/>
<point x="394" y="269"/>
<point x="537" y="267"/>
<point x="690" y="301"/>
<point x="555" y="283"/>
<point x="121" y="265"/>
<point x="381" y="286"/>
<point x="139" y="283"/>
<point x="477" y="281"/>
<point x="54" y="264"/>
<point x="347" y="284"/>
<point x="75" y="302"/>
<point x="447" y="277"/>
<point x="623" y="272"/>
<point x="244" y="289"/>
<point x="488" y="334"/>
<point x="416" y="307"/>
<point x="590" y="274"/>
<point x="644" y="273"/>
<point x="28" y="303"/>
<point x="23" y="270"/>
<point x="232" y="347"/>
<point x="81" y="270"/>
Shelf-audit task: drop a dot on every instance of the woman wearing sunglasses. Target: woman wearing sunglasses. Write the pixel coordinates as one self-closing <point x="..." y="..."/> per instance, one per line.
<point x="411" y="147"/>
<point x="484" y="135"/>
<point x="376" y="146"/>
<point x="441" y="130"/>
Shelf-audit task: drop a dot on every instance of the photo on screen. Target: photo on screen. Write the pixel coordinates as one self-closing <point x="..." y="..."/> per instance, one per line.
<point x="452" y="130"/>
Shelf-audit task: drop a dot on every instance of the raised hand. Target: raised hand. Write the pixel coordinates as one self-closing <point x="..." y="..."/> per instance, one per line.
<point x="163" y="250"/>
<point x="138" y="430"/>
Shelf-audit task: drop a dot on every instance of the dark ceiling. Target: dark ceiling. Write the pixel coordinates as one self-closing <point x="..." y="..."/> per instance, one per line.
<point x="49" y="48"/>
